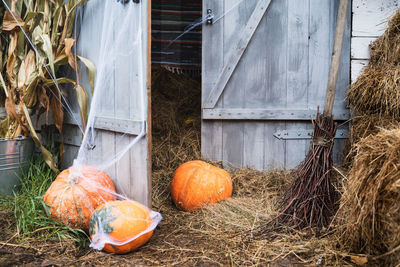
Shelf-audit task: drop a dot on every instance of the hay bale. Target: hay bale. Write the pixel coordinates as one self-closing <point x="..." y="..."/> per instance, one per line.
<point x="370" y="206"/>
<point x="386" y="49"/>
<point x="377" y="91"/>
<point x="363" y="126"/>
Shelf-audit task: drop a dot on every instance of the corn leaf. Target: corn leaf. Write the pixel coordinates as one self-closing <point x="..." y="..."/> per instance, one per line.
<point x="83" y="101"/>
<point x="91" y="69"/>
<point x="48" y="157"/>
<point x="48" y="49"/>
<point x="10" y="24"/>
<point x="3" y="84"/>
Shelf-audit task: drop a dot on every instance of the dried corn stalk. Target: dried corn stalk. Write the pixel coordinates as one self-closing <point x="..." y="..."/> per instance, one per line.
<point x="29" y="70"/>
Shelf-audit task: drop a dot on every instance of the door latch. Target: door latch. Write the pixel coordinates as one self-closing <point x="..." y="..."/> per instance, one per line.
<point x="126" y="1"/>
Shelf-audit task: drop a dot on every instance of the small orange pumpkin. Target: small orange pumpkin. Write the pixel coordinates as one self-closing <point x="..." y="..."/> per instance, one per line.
<point x="76" y="193"/>
<point x="114" y="226"/>
<point x="196" y="183"/>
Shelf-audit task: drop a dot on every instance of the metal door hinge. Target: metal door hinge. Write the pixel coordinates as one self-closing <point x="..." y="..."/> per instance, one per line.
<point x="306" y="134"/>
<point x="209" y="17"/>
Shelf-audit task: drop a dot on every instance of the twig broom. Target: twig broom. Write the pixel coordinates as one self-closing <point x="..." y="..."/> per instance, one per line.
<point x="311" y="200"/>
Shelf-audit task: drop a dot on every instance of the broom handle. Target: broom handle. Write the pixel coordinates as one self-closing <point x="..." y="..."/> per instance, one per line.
<point x="336" y="53"/>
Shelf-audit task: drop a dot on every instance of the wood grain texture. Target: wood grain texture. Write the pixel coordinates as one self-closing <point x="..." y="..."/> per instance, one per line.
<point x="236" y="52"/>
<point x="131" y="173"/>
<point x="212" y="62"/>
<point x="360" y="47"/>
<point x="370" y="16"/>
<point x="297" y="75"/>
<point x="336" y="56"/>
<point x="284" y="68"/>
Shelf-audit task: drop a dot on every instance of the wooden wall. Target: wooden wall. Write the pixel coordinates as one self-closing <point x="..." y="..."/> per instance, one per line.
<point x="276" y="85"/>
<point x="369" y="22"/>
<point x="117" y="122"/>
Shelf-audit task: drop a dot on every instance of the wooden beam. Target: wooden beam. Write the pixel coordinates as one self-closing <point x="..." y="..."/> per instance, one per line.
<point x="149" y="136"/>
<point x="236" y="53"/>
<point x="268" y="114"/>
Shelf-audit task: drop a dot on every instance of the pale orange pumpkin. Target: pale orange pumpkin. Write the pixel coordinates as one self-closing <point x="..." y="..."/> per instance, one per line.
<point x="114" y="226"/>
<point x="76" y="193"/>
<point x="196" y="183"/>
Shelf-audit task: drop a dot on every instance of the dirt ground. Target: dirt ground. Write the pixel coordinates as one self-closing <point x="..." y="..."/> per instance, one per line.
<point x="218" y="235"/>
<point x="164" y="248"/>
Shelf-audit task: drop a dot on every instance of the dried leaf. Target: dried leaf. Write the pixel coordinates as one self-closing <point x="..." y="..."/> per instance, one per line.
<point x="92" y="70"/>
<point x="48" y="157"/>
<point x="48" y="49"/>
<point x="83" y="101"/>
<point x="26" y="69"/>
<point x="3" y="84"/>
<point x="44" y="102"/>
<point x="10" y="24"/>
<point x="49" y="82"/>
<point x="11" y="61"/>
<point x="56" y="109"/>
<point x="69" y="43"/>
<point x="11" y="109"/>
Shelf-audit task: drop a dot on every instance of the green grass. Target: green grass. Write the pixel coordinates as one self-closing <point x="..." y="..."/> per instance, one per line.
<point x="29" y="210"/>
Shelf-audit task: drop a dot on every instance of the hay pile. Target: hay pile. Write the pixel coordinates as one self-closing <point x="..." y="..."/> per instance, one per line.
<point x="363" y="126"/>
<point x="370" y="205"/>
<point x="176" y="104"/>
<point x="217" y="234"/>
<point x="375" y="95"/>
<point x="377" y="89"/>
<point x="368" y="220"/>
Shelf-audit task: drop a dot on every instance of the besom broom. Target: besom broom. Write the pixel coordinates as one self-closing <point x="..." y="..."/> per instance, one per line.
<point x="311" y="199"/>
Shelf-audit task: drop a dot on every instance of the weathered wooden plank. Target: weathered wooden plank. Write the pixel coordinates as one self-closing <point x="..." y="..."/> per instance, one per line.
<point x="139" y="154"/>
<point x="334" y="68"/>
<point x="247" y="75"/>
<point x="140" y="185"/>
<point x="236" y="53"/>
<point x="343" y="80"/>
<point x="275" y="59"/>
<point x="149" y="142"/>
<point x="319" y="51"/>
<point x="232" y="146"/>
<point x="275" y="39"/>
<point x="233" y="132"/>
<point x="360" y="47"/>
<point x="70" y="151"/>
<point x="253" y="145"/>
<point x="356" y="68"/>
<point x="267" y="114"/>
<point x="274" y="150"/>
<point x="124" y="74"/>
<point x="297" y="74"/>
<point x="370" y="16"/>
<point x="276" y="42"/>
<point x="212" y="62"/>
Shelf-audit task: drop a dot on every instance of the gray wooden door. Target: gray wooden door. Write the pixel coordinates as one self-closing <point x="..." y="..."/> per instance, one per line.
<point x="117" y="124"/>
<point x="265" y="71"/>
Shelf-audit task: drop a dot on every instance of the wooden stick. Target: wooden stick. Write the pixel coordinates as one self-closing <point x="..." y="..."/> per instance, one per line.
<point x="336" y="53"/>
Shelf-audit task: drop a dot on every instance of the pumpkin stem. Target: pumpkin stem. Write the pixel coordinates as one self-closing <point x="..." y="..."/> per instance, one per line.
<point x="73" y="178"/>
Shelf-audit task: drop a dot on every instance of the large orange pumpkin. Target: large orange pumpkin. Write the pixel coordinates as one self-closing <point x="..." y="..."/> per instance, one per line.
<point x="120" y="226"/>
<point x="196" y="183"/>
<point x="76" y="193"/>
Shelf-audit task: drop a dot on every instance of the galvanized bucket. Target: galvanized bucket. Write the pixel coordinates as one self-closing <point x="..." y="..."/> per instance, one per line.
<point x="15" y="156"/>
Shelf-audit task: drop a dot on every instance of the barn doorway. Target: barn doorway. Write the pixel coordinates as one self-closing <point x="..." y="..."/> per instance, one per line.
<point x="176" y="89"/>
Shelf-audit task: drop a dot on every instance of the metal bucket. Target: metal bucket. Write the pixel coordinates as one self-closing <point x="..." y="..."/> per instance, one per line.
<point x="15" y="156"/>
